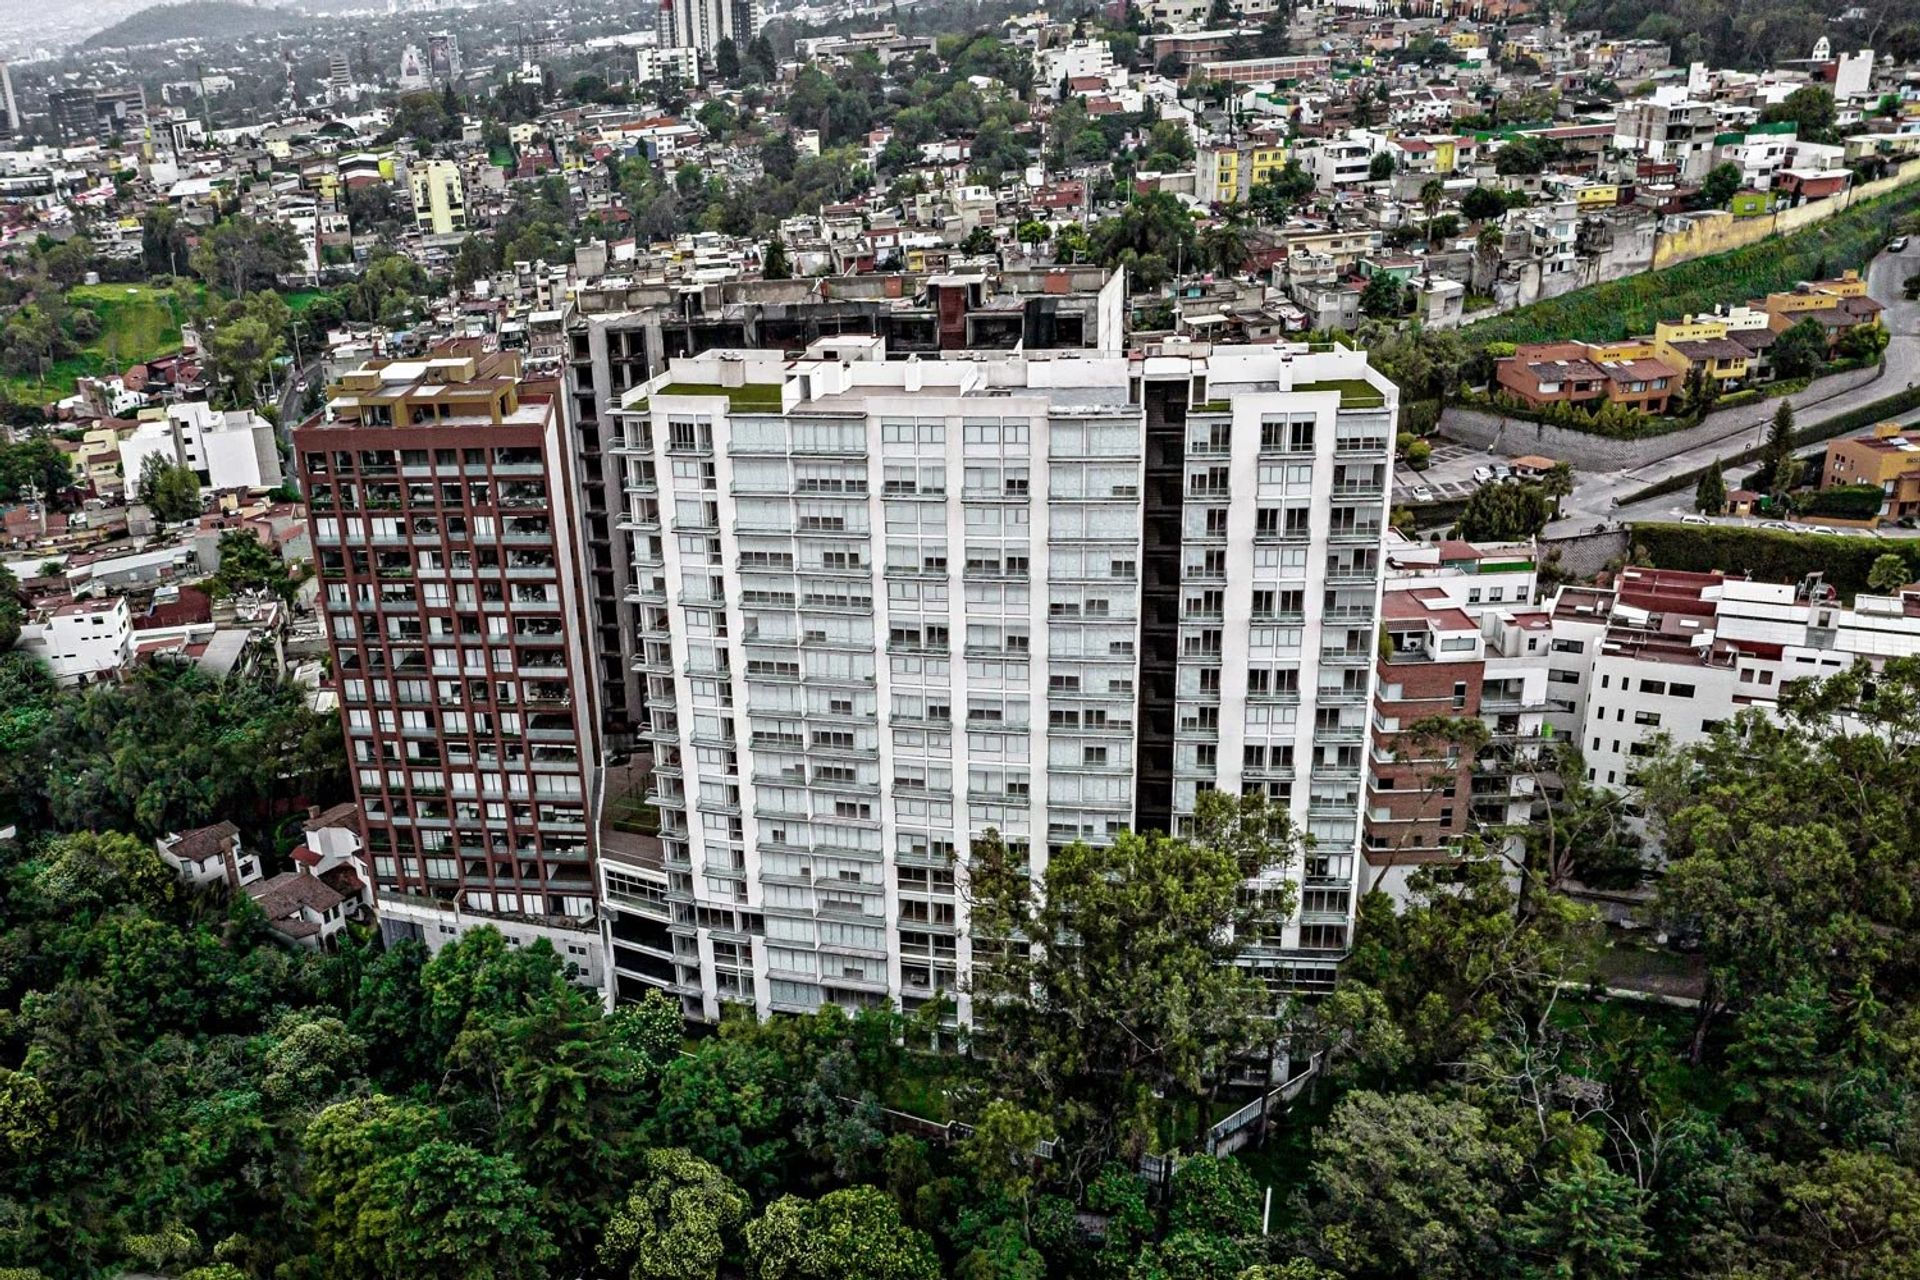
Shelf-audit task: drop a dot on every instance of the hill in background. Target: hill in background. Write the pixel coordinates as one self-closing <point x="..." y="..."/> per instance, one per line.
<point x="196" y="19"/>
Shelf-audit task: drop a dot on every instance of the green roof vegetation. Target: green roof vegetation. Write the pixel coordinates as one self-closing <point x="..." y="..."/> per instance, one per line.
<point x="1355" y="393"/>
<point x="753" y="395"/>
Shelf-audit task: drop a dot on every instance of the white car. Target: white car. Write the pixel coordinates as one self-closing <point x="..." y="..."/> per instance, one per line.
<point x="1422" y="494"/>
<point x="1695" y="520"/>
<point x="1820" y="528"/>
<point x="1897" y="245"/>
<point x="1482" y="474"/>
<point x="1781" y="525"/>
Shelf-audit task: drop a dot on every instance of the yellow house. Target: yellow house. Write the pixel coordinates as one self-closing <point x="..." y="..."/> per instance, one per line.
<point x="1701" y="344"/>
<point x="1464" y="40"/>
<point x="1446" y="155"/>
<point x="1594" y="195"/>
<point x="1217" y="176"/>
<point x="1641" y="348"/>
<point x="1267" y="162"/>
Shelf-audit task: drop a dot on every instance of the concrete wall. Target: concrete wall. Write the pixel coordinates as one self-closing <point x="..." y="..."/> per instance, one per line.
<point x="1484" y="429"/>
<point x="1718" y="231"/>
<point x="1584" y="554"/>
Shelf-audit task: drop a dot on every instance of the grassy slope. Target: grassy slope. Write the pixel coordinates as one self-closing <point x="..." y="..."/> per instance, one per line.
<point x="137" y="322"/>
<point x="1603" y="312"/>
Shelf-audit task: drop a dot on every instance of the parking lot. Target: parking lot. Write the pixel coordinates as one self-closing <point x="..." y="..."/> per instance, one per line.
<point x="1449" y="475"/>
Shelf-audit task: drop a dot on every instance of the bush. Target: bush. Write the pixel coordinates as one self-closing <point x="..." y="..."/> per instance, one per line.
<point x="1419" y="455"/>
<point x="1844" y="502"/>
<point x="1403" y="442"/>
<point x="1770" y="555"/>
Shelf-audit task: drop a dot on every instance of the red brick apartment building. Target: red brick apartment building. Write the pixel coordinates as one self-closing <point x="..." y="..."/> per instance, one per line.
<point x="443" y="534"/>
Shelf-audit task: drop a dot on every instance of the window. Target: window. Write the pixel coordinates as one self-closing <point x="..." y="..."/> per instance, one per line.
<point x="1569" y="646"/>
<point x="1679" y="691"/>
<point x="1653" y="686"/>
<point x="1649" y="718"/>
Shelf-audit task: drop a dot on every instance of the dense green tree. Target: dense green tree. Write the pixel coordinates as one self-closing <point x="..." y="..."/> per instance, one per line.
<point x="1721" y="182"/>
<point x="1710" y="494"/>
<point x="774" y="264"/>
<point x="247" y="565"/>
<point x="242" y="256"/>
<point x="170" y="490"/>
<point x="1214" y="1196"/>
<point x="1384" y="297"/>
<point x="1149" y="998"/>
<point x="1800" y="351"/>
<point x="1778" y="466"/>
<point x="1810" y="108"/>
<point x="33" y="463"/>
<point x="1510" y="512"/>
<point x="681" y="1221"/>
<point x="855" y="1232"/>
<point x="726" y="60"/>
<point x="1411" y="1186"/>
<point x="1585" y="1221"/>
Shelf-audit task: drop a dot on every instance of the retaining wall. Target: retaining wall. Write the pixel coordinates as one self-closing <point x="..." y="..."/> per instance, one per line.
<point x="1716" y="231"/>
<point x="1585" y="554"/>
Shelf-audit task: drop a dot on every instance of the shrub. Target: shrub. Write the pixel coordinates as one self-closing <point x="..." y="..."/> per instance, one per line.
<point x="1845" y="502"/>
<point x="1419" y="455"/>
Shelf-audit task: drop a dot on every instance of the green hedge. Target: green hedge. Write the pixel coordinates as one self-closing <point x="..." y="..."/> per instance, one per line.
<point x="1604" y="312"/>
<point x="1771" y="555"/>
<point x="1846" y="502"/>
<point x="1902" y="401"/>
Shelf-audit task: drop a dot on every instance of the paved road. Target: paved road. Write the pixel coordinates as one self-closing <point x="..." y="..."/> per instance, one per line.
<point x="291" y="393"/>
<point x="1594" y="492"/>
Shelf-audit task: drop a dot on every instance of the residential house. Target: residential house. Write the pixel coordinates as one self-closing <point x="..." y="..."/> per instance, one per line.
<point x="209" y="855"/>
<point x="1624" y="373"/>
<point x="1702" y="344"/>
<point x="81" y="640"/>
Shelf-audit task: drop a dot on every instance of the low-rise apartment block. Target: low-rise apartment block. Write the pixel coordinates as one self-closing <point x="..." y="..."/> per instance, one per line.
<point x="1463" y="643"/>
<point x="1887" y="457"/>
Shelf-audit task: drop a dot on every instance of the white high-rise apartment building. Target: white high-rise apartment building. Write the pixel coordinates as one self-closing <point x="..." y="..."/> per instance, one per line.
<point x="886" y="606"/>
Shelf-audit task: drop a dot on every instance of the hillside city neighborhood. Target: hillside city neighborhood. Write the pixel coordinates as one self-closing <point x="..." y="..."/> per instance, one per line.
<point x="1295" y="627"/>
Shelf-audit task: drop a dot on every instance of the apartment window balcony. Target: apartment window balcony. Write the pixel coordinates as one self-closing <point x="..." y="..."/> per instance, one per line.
<point x="1361" y="446"/>
<point x="1357" y="533"/>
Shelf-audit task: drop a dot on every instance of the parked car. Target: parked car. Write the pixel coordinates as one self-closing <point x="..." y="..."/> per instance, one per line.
<point x="1781" y="525"/>
<point x="1422" y="494"/>
<point x="1695" y="520"/>
<point x="1897" y="245"/>
<point x="1482" y="474"/>
<point x="1819" y="528"/>
<point x="1501" y="471"/>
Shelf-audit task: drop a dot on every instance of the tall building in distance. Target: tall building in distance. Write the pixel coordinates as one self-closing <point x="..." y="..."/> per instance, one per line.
<point x="702" y="24"/>
<point x="441" y="504"/>
<point x="8" y="102"/>
<point x="885" y="606"/>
